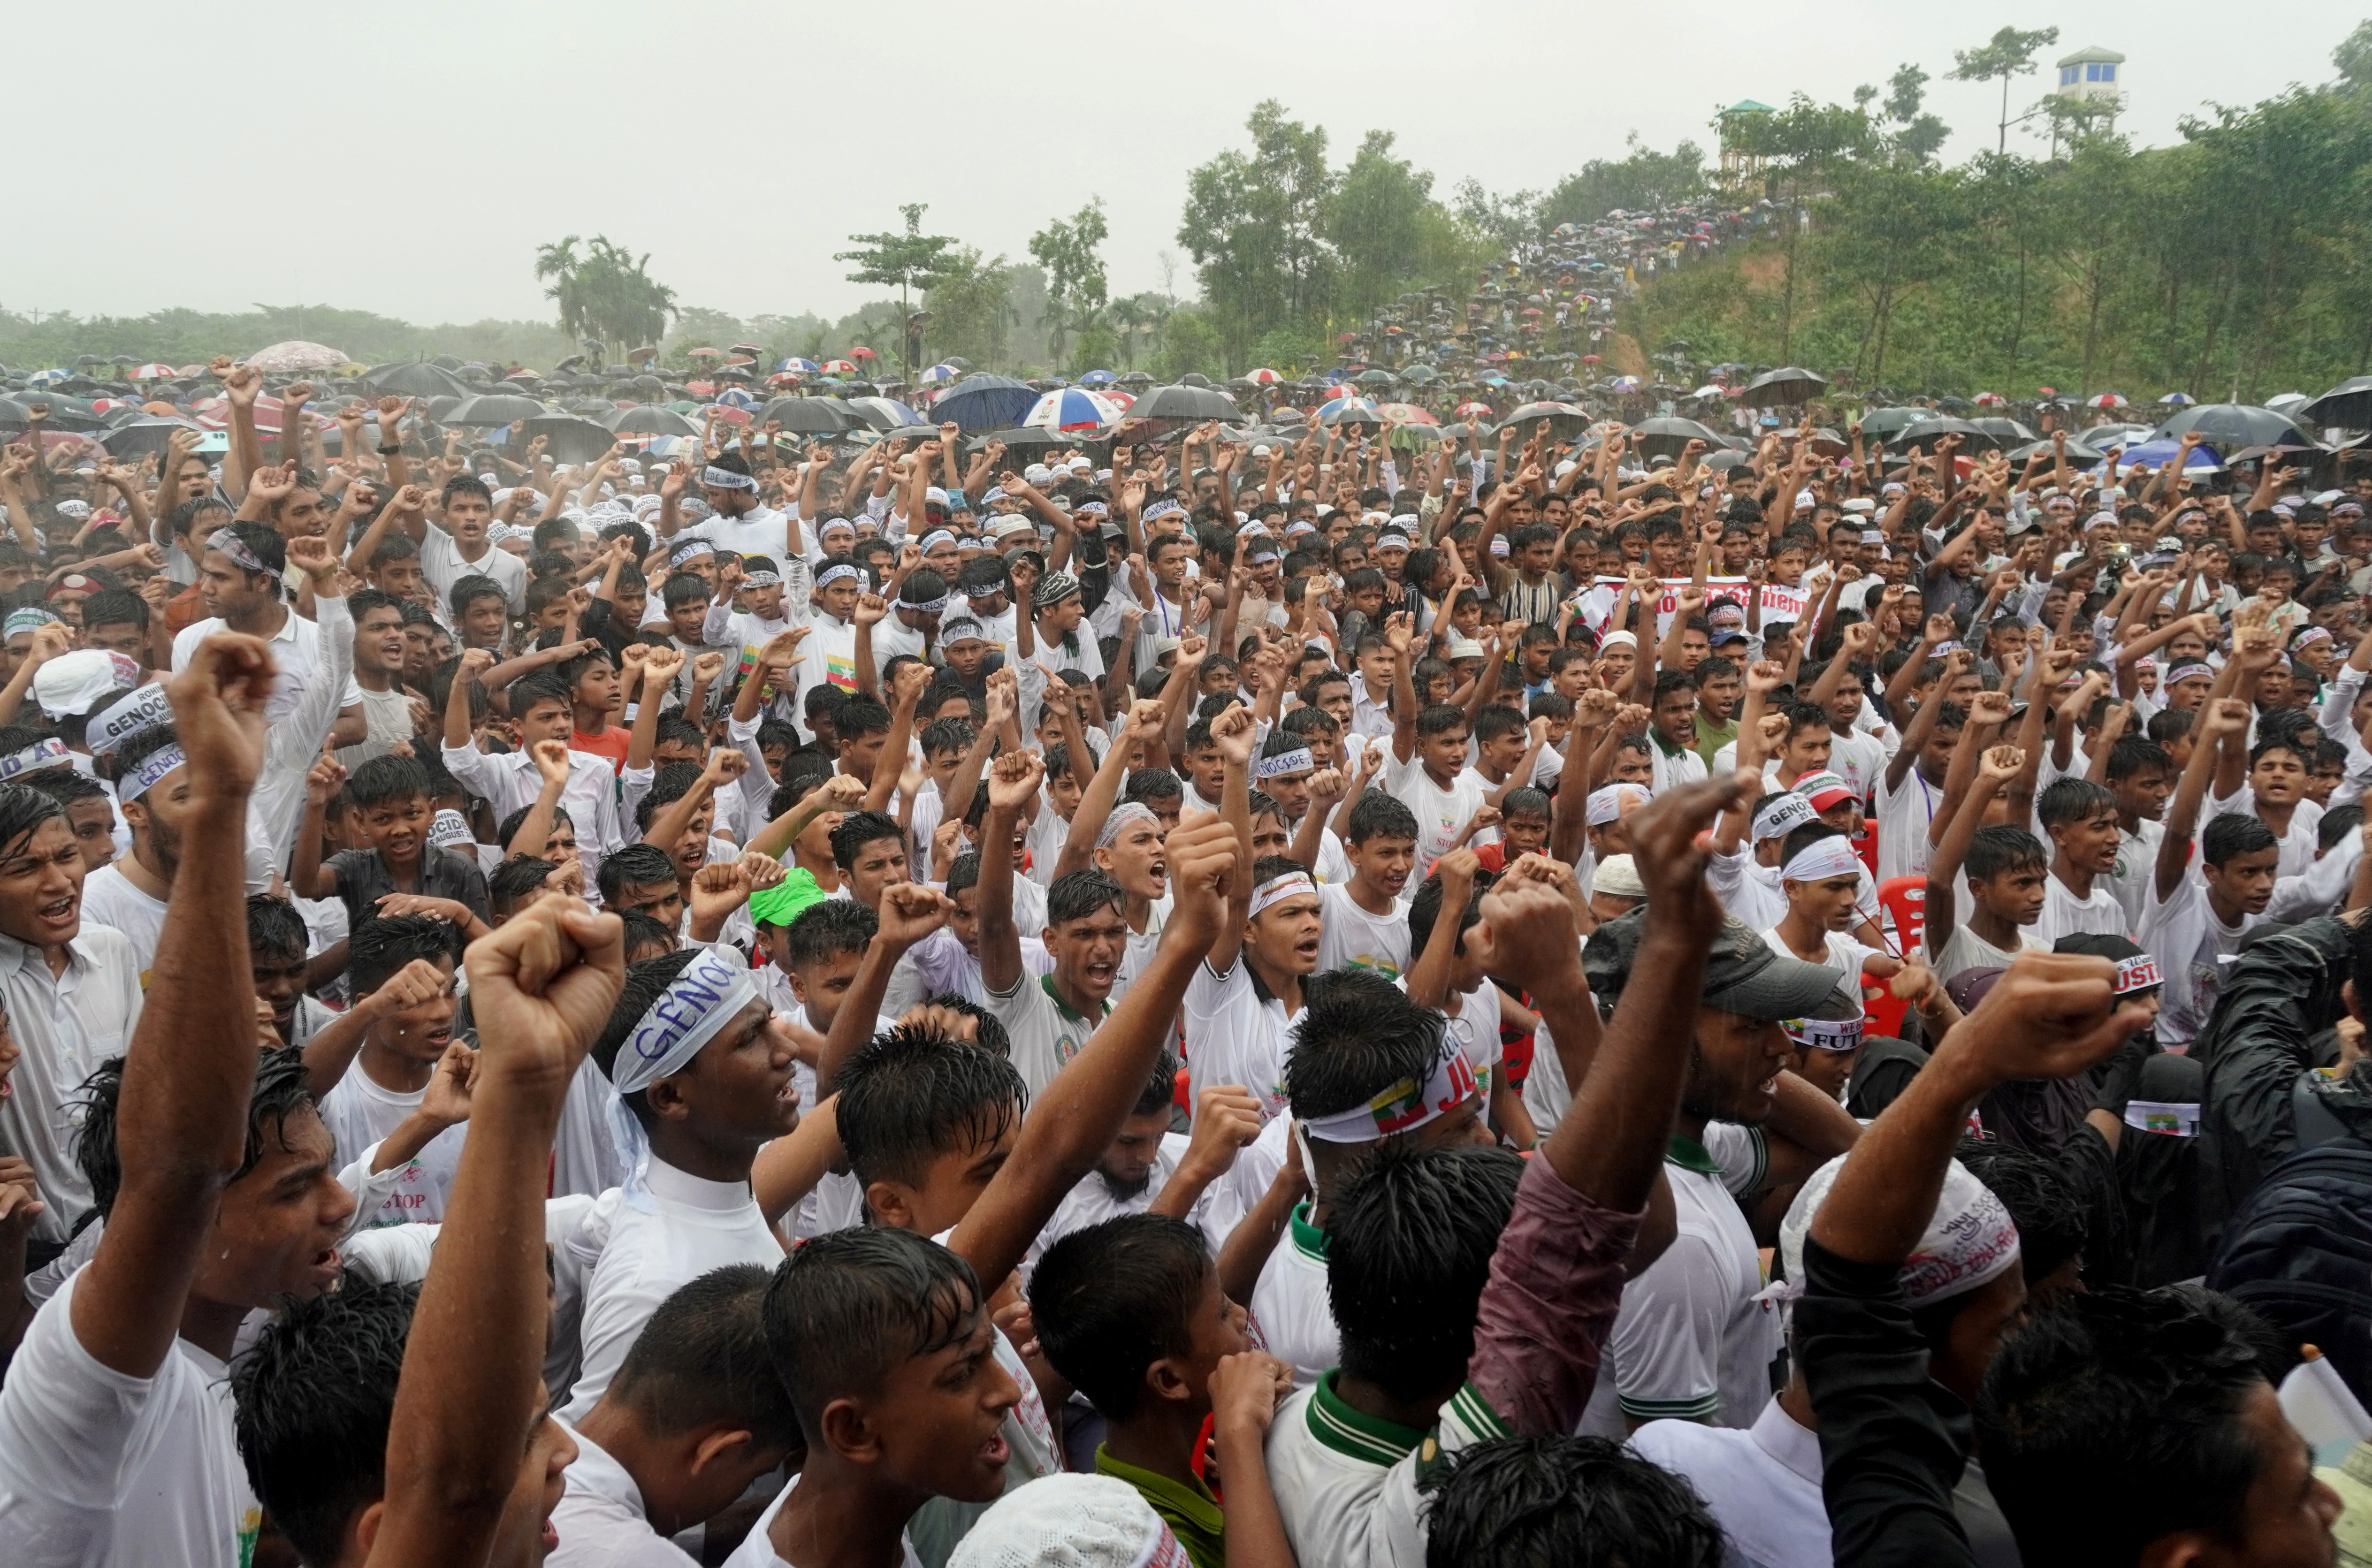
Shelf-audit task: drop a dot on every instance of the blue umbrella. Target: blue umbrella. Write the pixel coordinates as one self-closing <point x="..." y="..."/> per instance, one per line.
<point x="2157" y="454"/>
<point x="939" y="375"/>
<point x="735" y="396"/>
<point x="1098" y="379"/>
<point x="986" y="402"/>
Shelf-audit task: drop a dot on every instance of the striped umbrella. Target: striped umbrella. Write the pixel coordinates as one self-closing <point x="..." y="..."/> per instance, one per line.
<point x="795" y="367"/>
<point x="1405" y="414"/>
<point x="2105" y="400"/>
<point x="735" y="396"/>
<point x="1472" y="411"/>
<point x="2178" y="400"/>
<point x="1348" y="410"/>
<point x="153" y="373"/>
<point x="939" y="375"/>
<point x="888" y="413"/>
<point x="1098" y="379"/>
<point x="44" y="377"/>
<point x="1991" y="400"/>
<point x="1070" y="408"/>
<point x="839" y="367"/>
<point x="1626" y="383"/>
<point x="1264" y="377"/>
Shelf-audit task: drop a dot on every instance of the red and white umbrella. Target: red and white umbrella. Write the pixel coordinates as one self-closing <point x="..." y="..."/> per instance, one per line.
<point x="861" y="351"/>
<point x="839" y="367"/>
<point x="1405" y="414"/>
<point x="153" y="373"/>
<point x="2106" y="400"/>
<point x="1264" y="377"/>
<point x="1472" y="411"/>
<point x="1991" y="400"/>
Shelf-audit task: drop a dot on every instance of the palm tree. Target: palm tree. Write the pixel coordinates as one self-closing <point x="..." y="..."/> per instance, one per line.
<point x="605" y="292"/>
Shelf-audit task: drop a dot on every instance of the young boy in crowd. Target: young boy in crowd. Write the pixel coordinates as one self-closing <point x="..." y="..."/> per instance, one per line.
<point x="404" y="1049"/>
<point x="1365" y="916"/>
<point x="2007" y="869"/>
<point x="399" y="870"/>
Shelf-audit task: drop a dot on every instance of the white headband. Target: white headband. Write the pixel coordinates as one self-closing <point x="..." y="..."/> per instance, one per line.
<point x="1297" y="760"/>
<point x="1605" y="803"/>
<point x="831" y="574"/>
<point x="47" y="753"/>
<point x="151" y="771"/>
<point x="1122" y="816"/>
<point x="706" y="995"/>
<point x="1825" y="1034"/>
<point x="725" y="478"/>
<point x="1277" y="889"/>
<point x="2137" y="973"/>
<point x="1404" y="1106"/>
<point x="1820" y="860"/>
<point x="1783" y="816"/>
<point x="761" y="579"/>
<point x="449" y="828"/>
<point x="2178" y="1119"/>
<point x="231" y="545"/>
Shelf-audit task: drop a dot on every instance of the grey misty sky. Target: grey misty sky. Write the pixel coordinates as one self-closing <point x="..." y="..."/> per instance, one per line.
<point x="740" y="142"/>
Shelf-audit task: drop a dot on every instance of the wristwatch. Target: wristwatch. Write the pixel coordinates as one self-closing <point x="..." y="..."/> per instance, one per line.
<point x="390" y="451"/>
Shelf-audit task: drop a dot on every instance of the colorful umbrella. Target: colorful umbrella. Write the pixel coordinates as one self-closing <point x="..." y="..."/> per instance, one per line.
<point x="153" y="373"/>
<point x="782" y="379"/>
<point x="2106" y="400"/>
<point x="1711" y="390"/>
<point x="735" y="397"/>
<point x="795" y="367"/>
<point x="861" y="351"/>
<point x="1626" y="383"/>
<point x="2172" y="400"/>
<point x="1405" y="414"/>
<point x="839" y="367"/>
<point x="705" y="353"/>
<point x="1264" y="377"/>
<point x="1098" y="379"/>
<point x="1070" y="408"/>
<point x="1991" y="400"/>
<point x="1472" y="411"/>
<point x="937" y="375"/>
<point x="1349" y="410"/>
<point x="44" y="377"/>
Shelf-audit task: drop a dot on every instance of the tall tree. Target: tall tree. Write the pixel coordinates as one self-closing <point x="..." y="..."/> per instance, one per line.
<point x="971" y="310"/>
<point x="1799" y="146"/>
<point x="1253" y="223"/>
<point x="605" y="292"/>
<point x="2007" y="54"/>
<point x="1071" y="249"/>
<point x="1644" y="178"/>
<point x="912" y="259"/>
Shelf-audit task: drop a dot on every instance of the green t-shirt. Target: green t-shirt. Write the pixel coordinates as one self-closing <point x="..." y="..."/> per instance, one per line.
<point x="1191" y="1512"/>
<point x="1712" y="737"/>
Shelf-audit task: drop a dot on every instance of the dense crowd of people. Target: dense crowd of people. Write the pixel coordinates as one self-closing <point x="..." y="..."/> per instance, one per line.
<point x="1193" y="1001"/>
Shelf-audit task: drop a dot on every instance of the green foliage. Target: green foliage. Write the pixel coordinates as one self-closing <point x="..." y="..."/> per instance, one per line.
<point x="605" y="292"/>
<point x="1071" y="249"/>
<point x="2007" y="54"/>
<point x="193" y="337"/>
<point x="912" y="260"/>
<point x="1644" y="178"/>
<point x="2234" y="265"/>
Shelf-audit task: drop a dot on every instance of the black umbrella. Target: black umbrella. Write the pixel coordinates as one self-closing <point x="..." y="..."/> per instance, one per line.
<point x="986" y="402"/>
<point x="2347" y="405"/>
<point x="1354" y="414"/>
<point x="415" y="379"/>
<point x="1564" y="418"/>
<point x="1193" y="379"/>
<point x="1668" y="437"/>
<point x="2077" y="451"/>
<point x="443" y="404"/>
<point x="1374" y="377"/>
<point x="2006" y="429"/>
<point x="569" y="439"/>
<point x="147" y="433"/>
<point x="808" y="416"/>
<point x="1181" y="401"/>
<point x="1928" y="431"/>
<point x="1722" y="462"/>
<point x="647" y="421"/>
<point x="2236" y="425"/>
<point x="1791" y="384"/>
<point x="496" y="407"/>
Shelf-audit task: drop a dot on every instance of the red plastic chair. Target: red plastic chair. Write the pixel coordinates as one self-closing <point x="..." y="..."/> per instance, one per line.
<point x="1904" y="897"/>
<point x="1864" y="843"/>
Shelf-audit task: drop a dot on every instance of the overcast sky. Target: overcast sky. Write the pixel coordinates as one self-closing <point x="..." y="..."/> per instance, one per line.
<point x="410" y="159"/>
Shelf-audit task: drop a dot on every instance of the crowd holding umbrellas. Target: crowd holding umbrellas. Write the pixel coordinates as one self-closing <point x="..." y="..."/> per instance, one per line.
<point x="1528" y="341"/>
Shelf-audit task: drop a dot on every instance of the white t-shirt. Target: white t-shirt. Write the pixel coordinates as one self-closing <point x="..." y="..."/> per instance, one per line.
<point x="1289" y="1303"/>
<point x="1475" y="1027"/>
<point x="2193" y="949"/>
<point x="1439" y="812"/>
<point x="99" y="1470"/>
<point x="1763" y="1485"/>
<point x="2135" y="871"/>
<point x="1045" y="1033"/>
<point x="689" y="1226"/>
<point x="600" y="1520"/>
<point x="1904" y="816"/>
<point x="441" y="564"/>
<point x="109" y="897"/>
<point x="360" y="1111"/>
<point x="1692" y="1342"/>
<point x="761" y="531"/>
<point x="1965" y="950"/>
<point x="2298" y="845"/>
<point x="758" y="1551"/>
<point x="1235" y="1036"/>
<point x="2063" y="913"/>
<point x="1860" y="759"/>
<point x="1844" y="955"/>
<point x="1355" y="939"/>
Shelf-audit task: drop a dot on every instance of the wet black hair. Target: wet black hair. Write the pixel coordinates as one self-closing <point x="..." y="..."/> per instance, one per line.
<point x="312" y="1399"/>
<point x="636" y="865"/>
<point x="1079" y="894"/>
<point x="1425" y="909"/>
<point x="912" y="1094"/>
<point x="384" y="779"/>
<point x="703" y="1358"/>
<point x="1110" y="1300"/>
<point x="274" y="926"/>
<point x="828" y="930"/>
<point x="517" y="881"/>
<point x="846" y="1308"/>
<point x="384" y="943"/>
<point x="279" y="1094"/>
<point x="1357" y="1035"/>
<point x="1410" y="1240"/>
<point x="861" y="827"/>
<point x="1378" y="815"/>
